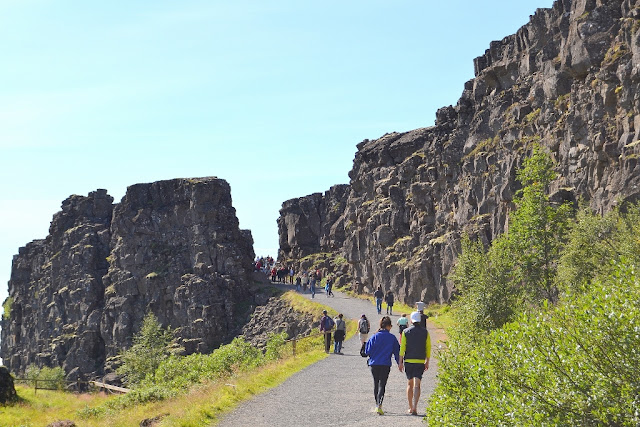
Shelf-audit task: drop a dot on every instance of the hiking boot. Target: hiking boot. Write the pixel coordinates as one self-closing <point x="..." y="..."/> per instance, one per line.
<point x="379" y="410"/>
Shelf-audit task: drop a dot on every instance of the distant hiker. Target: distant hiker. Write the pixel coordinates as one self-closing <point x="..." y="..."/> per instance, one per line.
<point x="363" y="331"/>
<point x="415" y="352"/>
<point x="328" y="286"/>
<point x="312" y="284"/>
<point x="339" y="334"/>
<point x="378" y="294"/>
<point x="423" y="317"/>
<point x="326" y="325"/>
<point x="291" y="274"/>
<point x="380" y="347"/>
<point x="274" y="272"/>
<point x="298" y="283"/>
<point x="389" y="300"/>
<point x="305" y="282"/>
<point x="403" y="323"/>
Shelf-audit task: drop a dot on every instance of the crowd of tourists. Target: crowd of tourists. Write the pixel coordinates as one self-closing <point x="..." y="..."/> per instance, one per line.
<point x="305" y="281"/>
<point x="411" y="351"/>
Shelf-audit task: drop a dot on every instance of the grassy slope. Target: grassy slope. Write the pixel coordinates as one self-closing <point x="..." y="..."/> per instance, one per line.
<point x="202" y="405"/>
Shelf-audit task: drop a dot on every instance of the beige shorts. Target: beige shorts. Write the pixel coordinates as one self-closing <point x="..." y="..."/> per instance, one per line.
<point x="363" y="337"/>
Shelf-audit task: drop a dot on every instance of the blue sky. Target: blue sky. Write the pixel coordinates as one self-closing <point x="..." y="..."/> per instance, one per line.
<point x="272" y="96"/>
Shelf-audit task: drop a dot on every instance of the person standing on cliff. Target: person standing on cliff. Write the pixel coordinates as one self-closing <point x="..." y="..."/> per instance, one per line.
<point x="326" y="325"/>
<point x="379" y="295"/>
<point x="415" y="352"/>
<point x="380" y="347"/>
<point x="389" y="300"/>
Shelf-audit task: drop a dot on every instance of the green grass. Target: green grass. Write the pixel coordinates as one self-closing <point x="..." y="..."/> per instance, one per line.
<point x="46" y="406"/>
<point x="202" y="404"/>
<point x="441" y="315"/>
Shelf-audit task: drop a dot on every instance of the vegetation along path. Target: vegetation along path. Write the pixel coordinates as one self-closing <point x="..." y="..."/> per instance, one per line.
<point x="338" y="390"/>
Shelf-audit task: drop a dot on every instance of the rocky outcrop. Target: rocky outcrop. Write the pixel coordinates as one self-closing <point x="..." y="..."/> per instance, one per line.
<point x="7" y="389"/>
<point x="171" y="247"/>
<point x="275" y="317"/>
<point x="569" y="80"/>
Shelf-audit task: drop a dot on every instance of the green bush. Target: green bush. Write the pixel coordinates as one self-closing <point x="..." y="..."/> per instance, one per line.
<point x="6" y="308"/>
<point x="54" y="378"/>
<point x="275" y="345"/>
<point x="576" y="363"/>
<point x="518" y="269"/>
<point x="177" y="374"/>
<point x="151" y="345"/>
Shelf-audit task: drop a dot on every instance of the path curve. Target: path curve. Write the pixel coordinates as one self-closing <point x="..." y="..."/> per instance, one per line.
<point x="338" y="390"/>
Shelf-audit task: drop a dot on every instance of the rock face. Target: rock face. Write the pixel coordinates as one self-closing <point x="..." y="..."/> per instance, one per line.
<point x="171" y="247"/>
<point x="7" y="389"/>
<point x="275" y="317"/>
<point x="569" y="80"/>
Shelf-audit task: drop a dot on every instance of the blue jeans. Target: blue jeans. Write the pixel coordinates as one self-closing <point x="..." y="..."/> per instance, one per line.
<point x="337" y="347"/>
<point x="379" y="305"/>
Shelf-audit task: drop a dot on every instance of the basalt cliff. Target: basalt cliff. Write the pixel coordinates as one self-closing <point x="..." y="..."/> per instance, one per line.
<point x="568" y="80"/>
<point x="173" y="248"/>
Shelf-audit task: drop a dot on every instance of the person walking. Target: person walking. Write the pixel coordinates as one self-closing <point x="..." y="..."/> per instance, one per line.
<point x="328" y="286"/>
<point x="389" y="300"/>
<point x="363" y="331"/>
<point x="326" y="325"/>
<point x="339" y="334"/>
<point x="305" y="282"/>
<point x="378" y="294"/>
<point x="380" y="347"/>
<point x="415" y="352"/>
<point x="312" y="284"/>
<point x="298" y="284"/>
<point x="292" y="272"/>
<point x="403" y="323"/>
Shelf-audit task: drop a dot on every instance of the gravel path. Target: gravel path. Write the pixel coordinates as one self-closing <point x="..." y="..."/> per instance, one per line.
<point x="338" y="390"/>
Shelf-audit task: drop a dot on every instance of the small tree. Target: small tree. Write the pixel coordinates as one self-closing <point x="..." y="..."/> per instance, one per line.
<point x="518" y="267"/>
<point x="538" y="228"/>
<point x="150" y="347"/>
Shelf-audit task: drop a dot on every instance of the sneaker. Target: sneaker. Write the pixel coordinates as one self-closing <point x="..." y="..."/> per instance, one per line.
<point x="379" y="410"/>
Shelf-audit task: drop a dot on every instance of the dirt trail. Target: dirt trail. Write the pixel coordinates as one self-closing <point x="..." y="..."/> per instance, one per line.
<point x="338" y="390"/>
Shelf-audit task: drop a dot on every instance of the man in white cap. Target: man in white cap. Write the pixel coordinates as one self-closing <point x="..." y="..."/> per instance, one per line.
<point x="415" y="352"/>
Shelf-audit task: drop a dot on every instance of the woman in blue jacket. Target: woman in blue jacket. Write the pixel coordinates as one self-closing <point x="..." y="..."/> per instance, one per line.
<point x="380" y="347"/>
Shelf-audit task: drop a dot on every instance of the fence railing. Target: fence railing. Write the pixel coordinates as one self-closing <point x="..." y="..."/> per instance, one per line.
<point x="297" y="338"/>
<point x="41" y="384"/>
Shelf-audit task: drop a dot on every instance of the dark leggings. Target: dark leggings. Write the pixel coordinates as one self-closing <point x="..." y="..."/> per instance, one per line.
<point x="380" y="376"/>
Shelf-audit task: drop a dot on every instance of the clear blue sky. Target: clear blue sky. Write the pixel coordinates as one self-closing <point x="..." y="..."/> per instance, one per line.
<point x="272" y="96"/>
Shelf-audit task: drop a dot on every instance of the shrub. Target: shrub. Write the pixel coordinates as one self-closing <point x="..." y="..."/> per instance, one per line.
<point x="6" y="306"/>
<point x="151" y="345"/>
<point x="54" y="377"/>
<point x="571" y="364"/>
<point x="275" y="345"/>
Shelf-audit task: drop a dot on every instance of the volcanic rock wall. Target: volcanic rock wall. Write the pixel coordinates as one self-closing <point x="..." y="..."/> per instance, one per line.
<point x="569" y="80"/>
<point x="171" y="247"/>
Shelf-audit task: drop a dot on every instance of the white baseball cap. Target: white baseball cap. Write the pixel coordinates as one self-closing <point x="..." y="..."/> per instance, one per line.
<point x="416" y="317"/>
